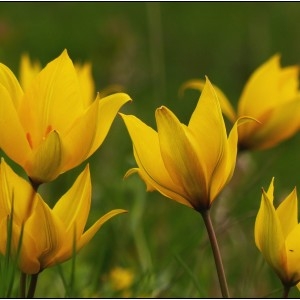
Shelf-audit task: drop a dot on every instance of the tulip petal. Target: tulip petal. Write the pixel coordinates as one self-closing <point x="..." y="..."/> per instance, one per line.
<point x="287" y="213"/>
<point x="293" y="255"/>
<point x="74" y="206"/>
<point x="225" y="104"/>
<point x="28" y="71"/>
<point x="86" y="82"/>
<point x="179" y="157"/>
<point x="53" y="95"/>
<point x="45" y="162"/>
<point x="12" y="136"/>
<point x="281" y="124"/>
<point x="89" y="234"/>
<point x="261" y="90"/>
<point x="269" y="236"/>
<point x="11" y="84"/>
<point x="47" y="231"/>
<point x="22" y="196"/>
<point x="209" y="129"/>
<point x="289" y="82"/>
<point x="148" y="157"/>
<point x="224" y="170"/>
<point x="78" y="142"/>
<point x="107" y="110"/>
<point x="28" y="261"/>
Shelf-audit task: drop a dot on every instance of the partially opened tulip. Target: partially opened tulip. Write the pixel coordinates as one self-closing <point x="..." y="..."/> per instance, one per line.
<point x="48" y="235"/>
<point x="277" y="236"/>
<point x="189" y="164"/>
<point x="272" y="97"/>
<point x="51" y="126"/>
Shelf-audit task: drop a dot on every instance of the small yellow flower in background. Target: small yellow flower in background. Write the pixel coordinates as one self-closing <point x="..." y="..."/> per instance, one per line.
<point x="189" y="164"/>
<point x="49" y="235"/>
<point x="121" y="278"/>
<point x="51" y="126"/>
<point x="271" y="96"/>
<point x="277" y="235"/>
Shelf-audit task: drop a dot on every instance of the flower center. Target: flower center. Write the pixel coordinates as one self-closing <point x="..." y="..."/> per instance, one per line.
<point x="29" y="138"/>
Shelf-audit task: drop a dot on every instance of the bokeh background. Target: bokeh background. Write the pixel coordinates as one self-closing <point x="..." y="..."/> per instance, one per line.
<point x="149" y="49"/>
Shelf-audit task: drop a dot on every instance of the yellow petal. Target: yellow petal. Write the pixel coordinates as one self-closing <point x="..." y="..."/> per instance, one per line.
<point x="15" y="189"/>
<point x="12" y="136"/>
<point x="269" y="236"/>
<point x="28" y="71"/>
<point x="282" y="123"/>
<point x="66" y="251"/>
<point x="107" y="110"/>
<point x="53" y="100"/>
<point x="148" y="157"/>
<point x="45" y="163"/>
<point x="74" y="206"/>
<point x="208" y="127"/>
<point x="89" y="234"/>
<point x="287" y="213"/>
<point x="293" y="255"/>
<point x="289" y="83"/>
<point x="47" y="232"/>
<point x="270" y="191"/>
<point x="180" y="159"/>
<point x="78" y="142"/>
<point x="28" y="258"/>
<point x="84" y="73"/>
<point x="90" y="129"/>
<point x="261" y="90"/>
<point x="131" y="171"/>
<point x="225" y="104"/>
<point x="11" y="84"/>
<point x="224" y="169"/>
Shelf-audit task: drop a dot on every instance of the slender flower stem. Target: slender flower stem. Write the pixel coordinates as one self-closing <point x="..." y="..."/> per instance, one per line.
<point x="23" y="280"/>
<point x="32" y="285"/>
<point x="216" y="252"/>
<point x="286" y="290"/>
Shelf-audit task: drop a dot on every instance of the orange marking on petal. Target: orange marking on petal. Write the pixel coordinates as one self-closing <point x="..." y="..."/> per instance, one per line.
<point x="48" y="130"/>
<point x="29" y="139"/>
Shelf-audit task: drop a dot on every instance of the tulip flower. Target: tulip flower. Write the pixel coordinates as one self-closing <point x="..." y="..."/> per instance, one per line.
<point x="272" y="97"/>
<point x="51" y="127"/>
<point x="189" y="164"/>
<point x="49" y="235"/>
<point x="277" y="235"/>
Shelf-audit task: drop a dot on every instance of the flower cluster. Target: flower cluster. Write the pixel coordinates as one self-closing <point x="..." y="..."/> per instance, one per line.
<point x="50" y="122"/>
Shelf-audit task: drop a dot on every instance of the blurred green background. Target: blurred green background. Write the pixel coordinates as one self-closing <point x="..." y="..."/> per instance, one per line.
<point x="150" y="49"/>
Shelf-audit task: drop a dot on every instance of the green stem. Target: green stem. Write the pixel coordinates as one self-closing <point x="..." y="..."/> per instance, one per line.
<point x="216" y="252"/>
<point x="286" y="290"/>
<point x="23" y="279"/>
<point x="32" y="285"/>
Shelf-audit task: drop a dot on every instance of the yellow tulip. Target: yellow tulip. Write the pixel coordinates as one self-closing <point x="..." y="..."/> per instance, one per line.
<point x="272" y="97"/>
<point x="49" y="235"/>
<point x="277" y="235"/>
<point x="189" y="164"/>
<point x="50" y="127"/>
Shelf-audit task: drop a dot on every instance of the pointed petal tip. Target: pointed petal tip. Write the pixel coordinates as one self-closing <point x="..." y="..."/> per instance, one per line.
<point x="130" y="172"/>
